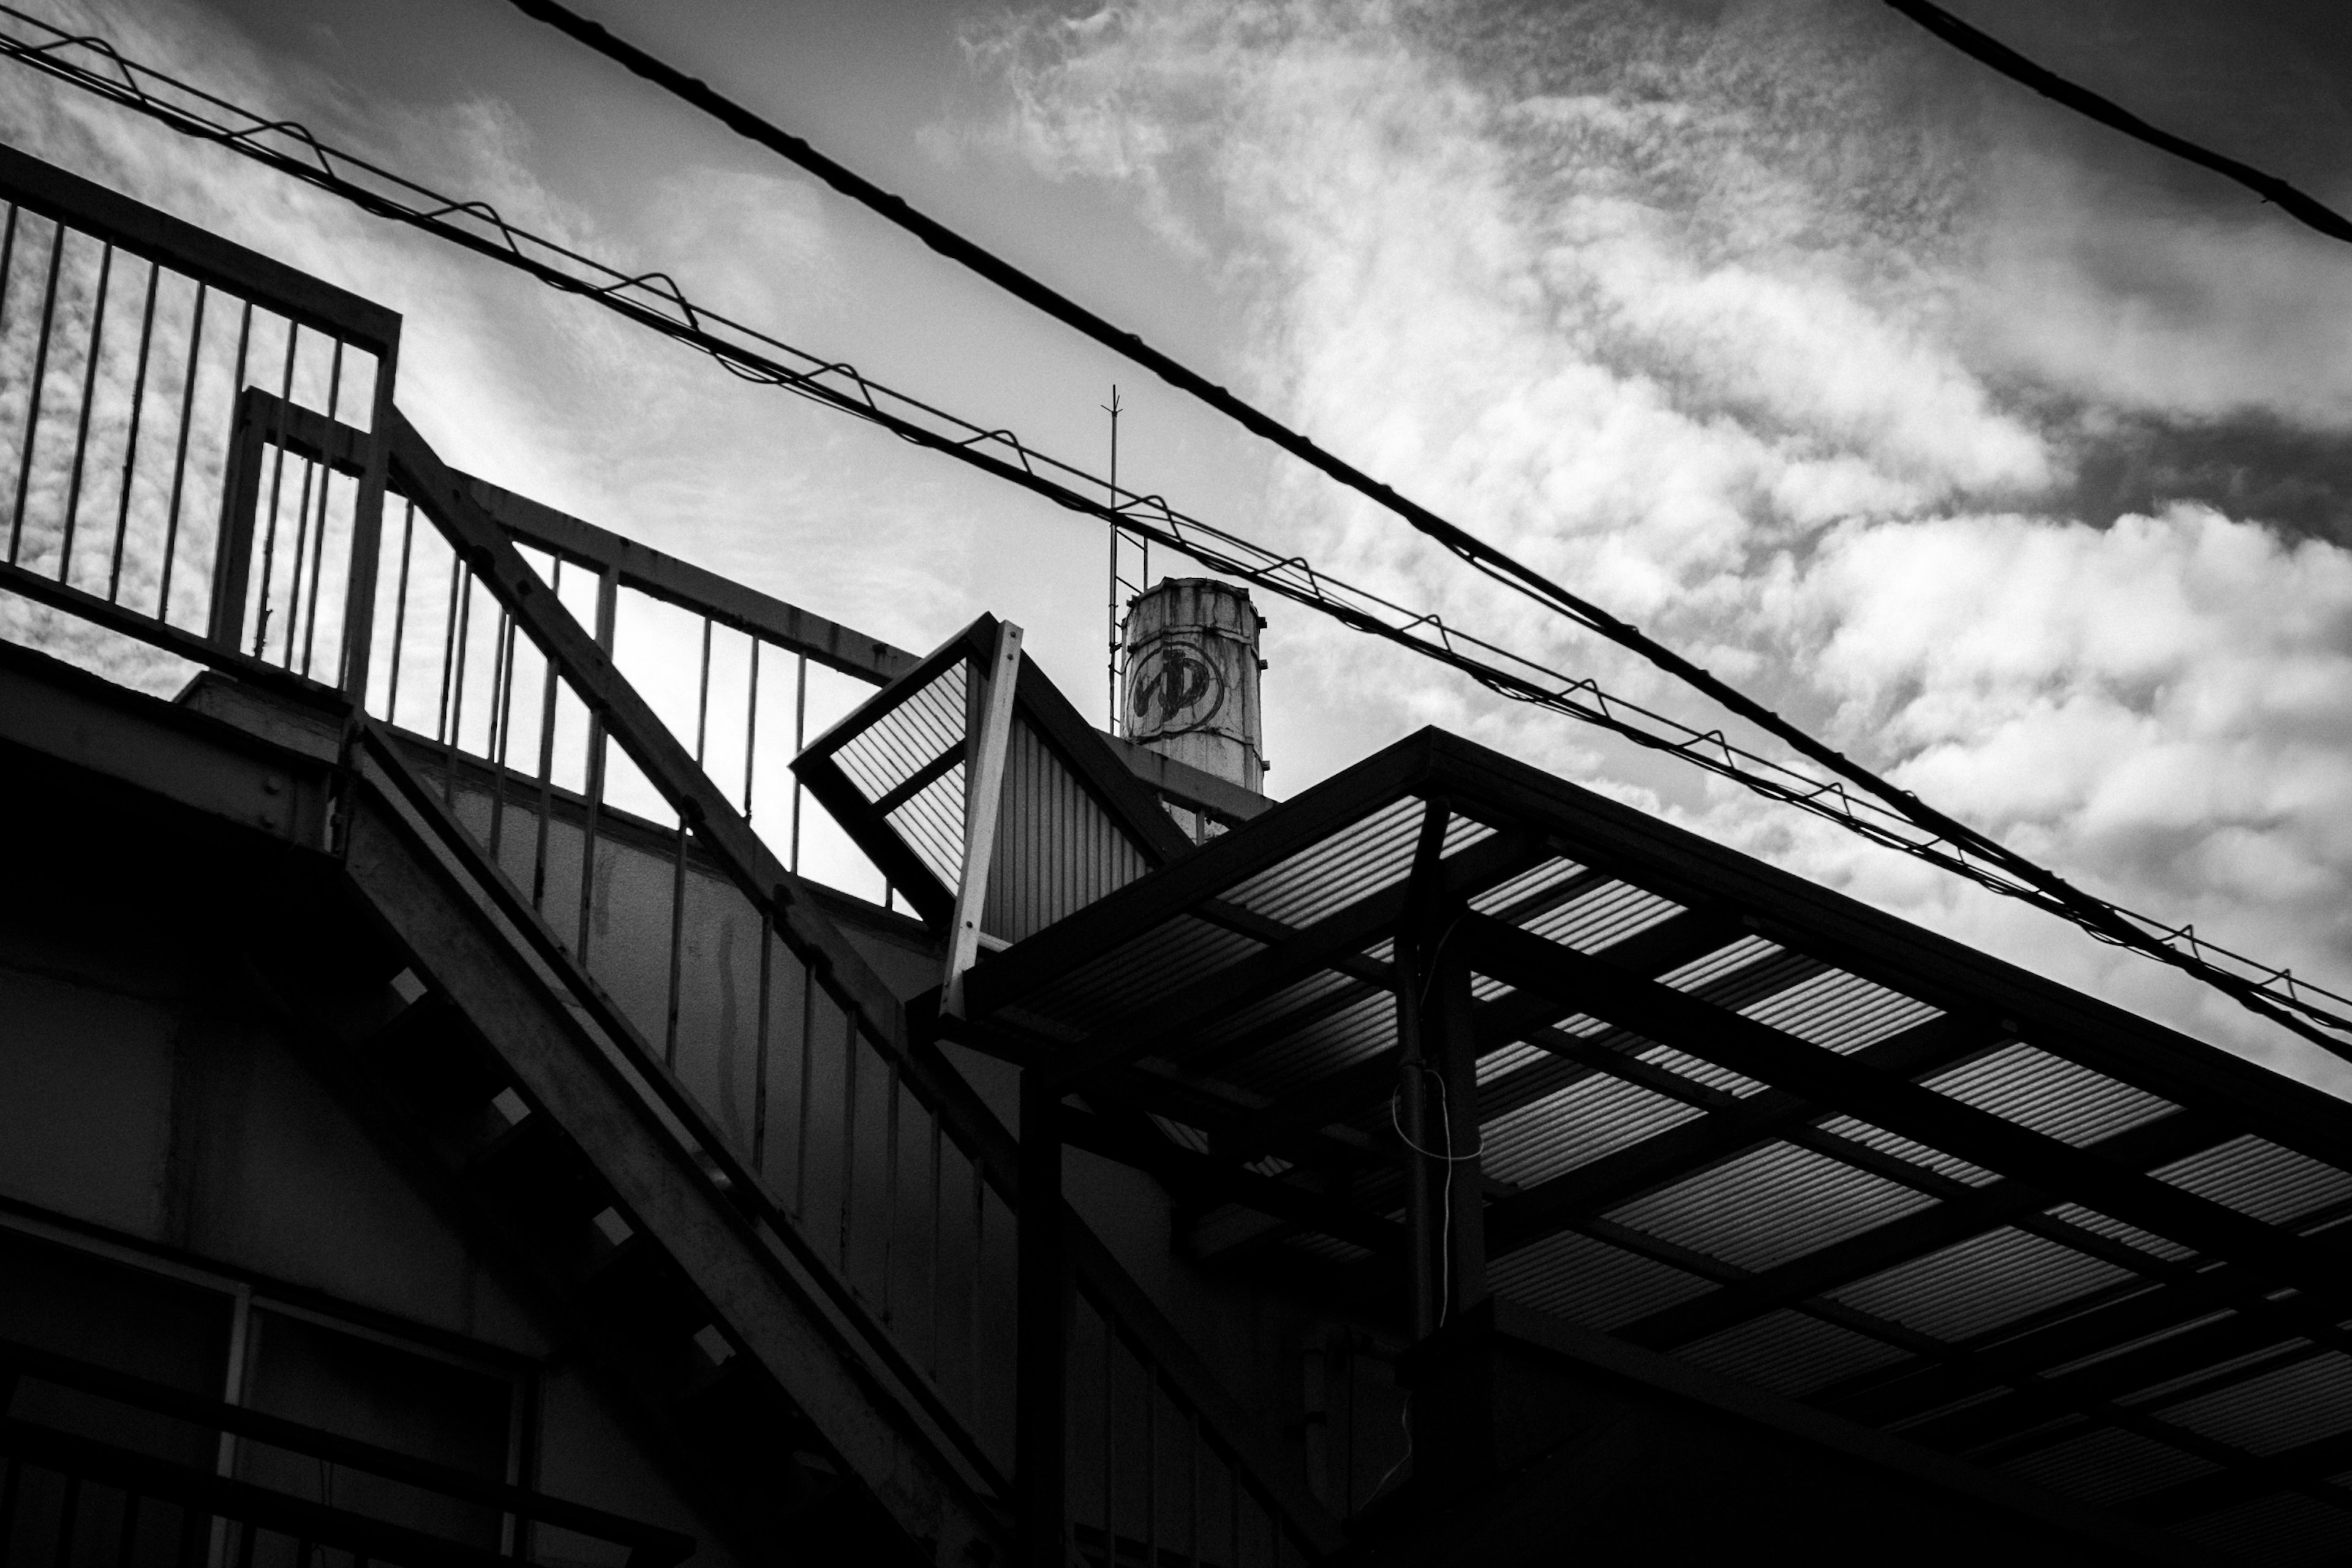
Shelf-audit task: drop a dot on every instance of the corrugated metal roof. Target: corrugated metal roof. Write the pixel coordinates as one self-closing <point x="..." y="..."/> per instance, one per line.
<point x="1693" y="1179"/>
<point x="1769" y="1206"/>
<point x="2107" y="1465"/>
<point x="1789" y="1352"/>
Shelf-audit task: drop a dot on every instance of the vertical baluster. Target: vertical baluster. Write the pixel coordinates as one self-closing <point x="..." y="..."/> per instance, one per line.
<point x="808" y="1059"/>
<point x="1355" y="1417"/>
<point x="89" y="397"/>
<point x="677" y="863"/>
<point x="461" y="655"/>
<point x="326" y="479"/>
<point x="1150" y="1465"/>
<point x="1192" y="1488"/>
<point x="848" y="1129"/>
<point x="608" y="593"/>
<point x="293" y="616"/>
<point x="889" y="1181"/>
<point x="501" y="725"/>
<point x="8" y="262"/>
<point x="400" y="613"/>
<point x="1233" y="1506"/>
<point x="800" y="744"/>
<point x="546" y="762"/>
<point x="131" y="442"/>
<point x="1111" y="1439"/>
<point x="759" y="1040"/>
<point x="180" y="451"/>
<point x="68" y="1517"/>
<point x="972" y="1303"/>
<point x="750" y="729"/>
<point x="277" y="473"/>
<point x="33" y="393"/>
<point x="194" y="1528"/>
<point x="939" y="1234"/>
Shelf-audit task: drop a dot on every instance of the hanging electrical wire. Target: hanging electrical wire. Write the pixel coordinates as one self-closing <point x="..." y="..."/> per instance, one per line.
<point x="2095" y="915"/>
<point x="1988" y="50"/>
<point x="653" y="300"/>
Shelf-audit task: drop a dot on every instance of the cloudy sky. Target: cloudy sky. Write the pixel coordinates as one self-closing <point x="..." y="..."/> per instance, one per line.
<point x="2004" y="453"/>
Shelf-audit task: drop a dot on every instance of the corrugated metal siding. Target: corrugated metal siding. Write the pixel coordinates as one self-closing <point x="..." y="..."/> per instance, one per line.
<point x="1057" y="850"/>
<point x="1902" y="1148"/>
<point x="1979" y="1284"/>
<point x="2280" y="1409"/>
<point x="2257" y="1177"/>
<point x="1590" y="1282"/>
<point x="1789" y="1352"/>
<point x="1770" y="1206"/>
<point x="2108" y="1466"/>
<point x="1354" y="862"/>
<point x="1609" y="914"/>
<point x="2050" y="1094"/>
<point x="1136" y="973"/>
<point x="2116" y="1230"/>
<point x="1841" y="1012"/>
<point x="1363" y="1029"/>
<point x="1703" y="971"/>
<point x="1575" y="1125"/>
<point x="897" y="746"/>
<point x="2277" y="1529"/>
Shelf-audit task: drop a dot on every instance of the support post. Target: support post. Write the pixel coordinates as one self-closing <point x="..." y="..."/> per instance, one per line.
<point x="983" y="788"/>
<point x="240" y="506"/>
<point x="1449" y="1039"/>
<point x="367" y="540"/>
<point x="1416" y="1074"/>
<point x="1040" y="1465"/>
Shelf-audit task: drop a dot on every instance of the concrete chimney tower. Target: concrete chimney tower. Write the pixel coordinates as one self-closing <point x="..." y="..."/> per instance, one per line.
<point x="1190" y="689"/>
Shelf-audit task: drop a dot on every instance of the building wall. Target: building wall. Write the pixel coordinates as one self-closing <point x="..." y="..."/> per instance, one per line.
<point x="183" y="1195"/>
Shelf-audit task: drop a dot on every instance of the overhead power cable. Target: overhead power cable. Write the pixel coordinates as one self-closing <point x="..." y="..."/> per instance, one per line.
<point x="654" y="301"/>
<point x="2094" y="914"/>
<point x="2305" y="209"/>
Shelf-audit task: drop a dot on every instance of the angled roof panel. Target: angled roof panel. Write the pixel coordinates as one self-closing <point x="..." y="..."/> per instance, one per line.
<point x="1755" y="1125"/>
<point x="1073" y="824"/>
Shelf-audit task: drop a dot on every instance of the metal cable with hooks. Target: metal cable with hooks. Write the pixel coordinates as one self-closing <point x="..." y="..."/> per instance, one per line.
<point x="1897" y="820"/>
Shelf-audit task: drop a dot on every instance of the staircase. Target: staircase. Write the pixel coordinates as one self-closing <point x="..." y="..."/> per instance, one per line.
<point x="547" y="955"/>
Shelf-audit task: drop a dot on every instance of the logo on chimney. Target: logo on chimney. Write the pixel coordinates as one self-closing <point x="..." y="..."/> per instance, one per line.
<point x="1172" y="691"/>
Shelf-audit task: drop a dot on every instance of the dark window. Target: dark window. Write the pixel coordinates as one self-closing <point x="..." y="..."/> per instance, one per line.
<point x="70" y="1303"/>
<point x="397" y="1399"/>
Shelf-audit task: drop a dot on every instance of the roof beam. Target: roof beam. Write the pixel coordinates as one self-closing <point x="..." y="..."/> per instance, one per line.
<point x="1159" y="1028"/>
<point x="1914" y="1235"/>
<point x="1896" y="1104"/>
<point x="1203" y="1175"/>
<point x="1899" y="1392"/>
<point x="1127" y="912"/>
<point x="1693" y="1146"/>
<point x="1499" y="1023"/>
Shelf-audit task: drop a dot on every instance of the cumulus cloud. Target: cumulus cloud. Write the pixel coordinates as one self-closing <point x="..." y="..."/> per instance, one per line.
<point x="1745" y="324"/>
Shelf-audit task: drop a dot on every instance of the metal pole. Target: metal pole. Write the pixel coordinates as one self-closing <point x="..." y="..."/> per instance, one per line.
<point x="1040" y="1477"/>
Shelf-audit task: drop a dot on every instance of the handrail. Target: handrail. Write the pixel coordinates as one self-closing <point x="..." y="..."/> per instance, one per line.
<point x="745" y="1192"/>
<point x="650" y="1545"/>
<point x="202" y="1493"/>
<point x="773" y="891"/>
<point x="489" y="530"/>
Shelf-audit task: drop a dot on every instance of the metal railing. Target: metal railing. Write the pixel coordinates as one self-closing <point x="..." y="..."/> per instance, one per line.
<point x="475" y="646"/>
<point x="124" y="445"/>
<point x="111" y="1471"/>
